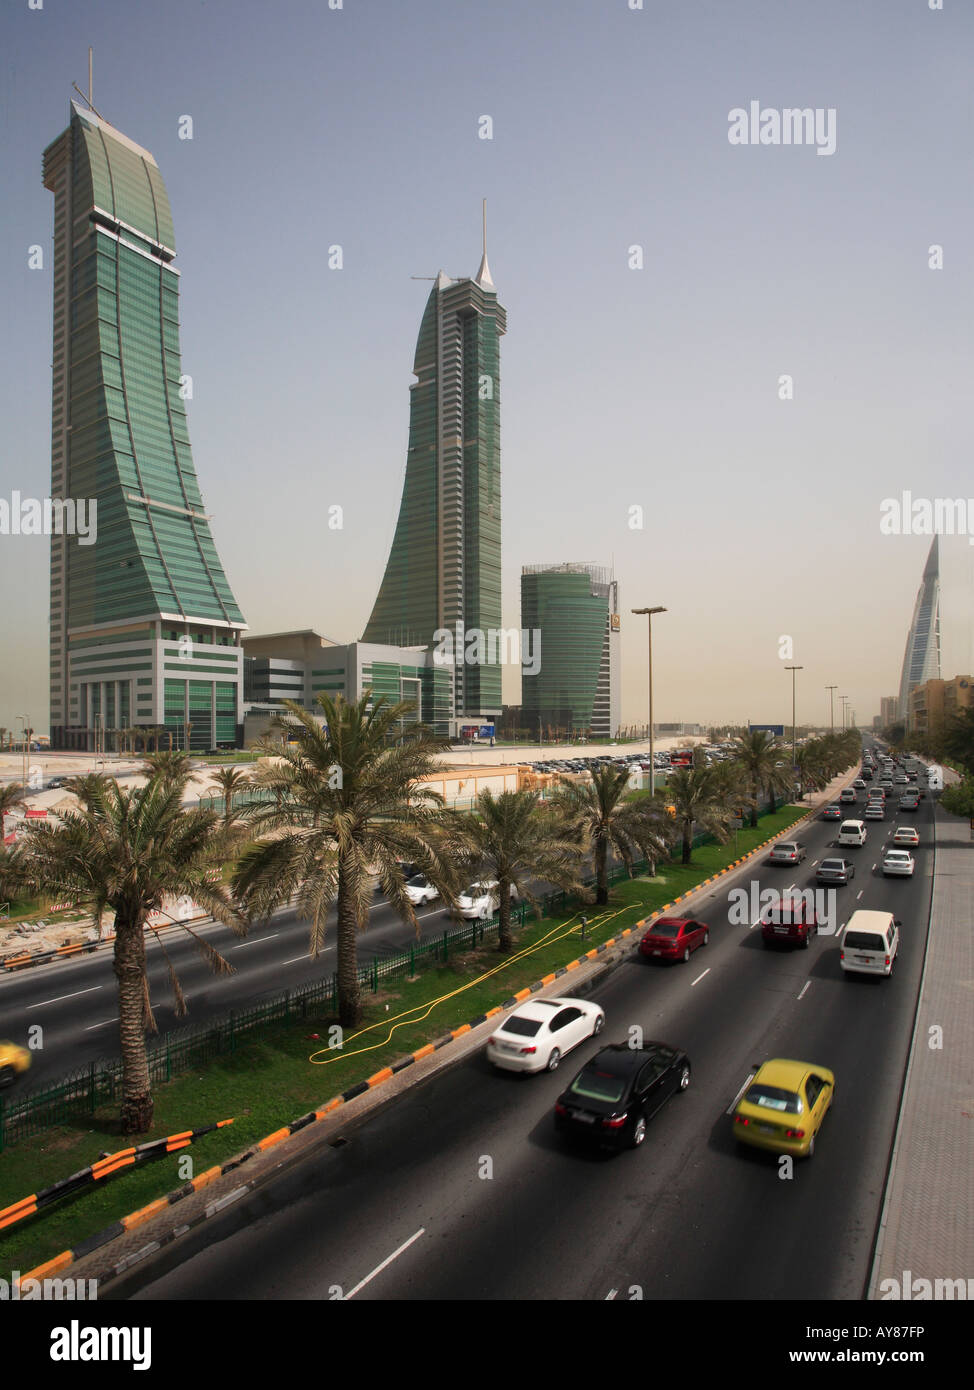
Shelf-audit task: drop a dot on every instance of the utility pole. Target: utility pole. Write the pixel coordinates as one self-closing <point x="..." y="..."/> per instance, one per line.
<point x="831" y="689"/>
<point x="793" y="669"/>
<point x="652" y="762"/>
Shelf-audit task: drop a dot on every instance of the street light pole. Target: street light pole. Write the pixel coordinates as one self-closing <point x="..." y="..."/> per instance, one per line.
<point x="831" y="689"/>
<point x="793" y="669"/>
<point x="26" y="719"/>
<point x="652" y="763"/>
<point x="845" y="709"/>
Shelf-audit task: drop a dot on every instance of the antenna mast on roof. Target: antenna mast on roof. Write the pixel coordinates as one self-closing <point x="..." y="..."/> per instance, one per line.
<point x="91" y="104"/>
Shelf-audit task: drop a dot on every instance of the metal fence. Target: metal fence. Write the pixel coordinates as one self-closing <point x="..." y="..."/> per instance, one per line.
<point x="76" y="1097"/>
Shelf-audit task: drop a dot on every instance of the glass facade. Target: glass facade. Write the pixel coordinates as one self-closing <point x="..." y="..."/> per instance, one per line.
<point x="921" y="659"/>
<point x="568" y="608"/>
<point x="444" y="567"/>
<point x="119" y="432"/>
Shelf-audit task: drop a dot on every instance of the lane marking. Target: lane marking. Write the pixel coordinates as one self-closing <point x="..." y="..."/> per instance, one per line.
<point x="257" y="940"/>
<point x="733" y="1105"/>
<point x="699" y="977"/>
<point x="63" y="996"/>
<point x="611" y="1294"/>
<point x="805" y="987"/>
<point x="100" y="1025"/>
<point x="387" y="1261"/>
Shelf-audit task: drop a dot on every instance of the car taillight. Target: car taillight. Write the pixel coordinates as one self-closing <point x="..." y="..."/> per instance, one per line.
<point x="614" y="1121"/>
<point x="561" y="1109"/>
<point x="794" y="1134"/>
<point x="842" y="955"/>
<point x="491" y="1042"/>
<point x="741" y="1120"/>
<point x="887" y="960"/>
<point x="526" y="1050"/>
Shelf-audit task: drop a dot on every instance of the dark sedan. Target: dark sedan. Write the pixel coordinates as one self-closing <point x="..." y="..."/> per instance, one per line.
<point x="835" y="871"/>
<point x="614" y="1096"/>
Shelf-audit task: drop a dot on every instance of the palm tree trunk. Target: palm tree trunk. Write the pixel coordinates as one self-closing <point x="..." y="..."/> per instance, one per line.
<point x="754" y="805"/>
<point x="601" y="873"/>
<point x="129" y="964"/>
<point x="687" y="841"/>
<point x="505" y="936"/>
<point x="349" y="996"/>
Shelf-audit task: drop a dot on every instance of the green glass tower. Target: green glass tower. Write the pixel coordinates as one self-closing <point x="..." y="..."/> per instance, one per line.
<point x="444" y="568"/>
<point x="144" y="626"/>
<point x="574" y="611"/>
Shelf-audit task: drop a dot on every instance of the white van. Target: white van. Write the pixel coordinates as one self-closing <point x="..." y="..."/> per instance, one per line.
<point x="852" y="832"/>
<point x="870" y="943"/>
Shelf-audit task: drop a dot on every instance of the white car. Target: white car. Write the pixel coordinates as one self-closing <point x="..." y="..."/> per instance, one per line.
<point x="898" y="861"/>
<point x="906" y="835"/>
<point x="419" y="890"/>
<point x="787" y="852"/>
<point x="874" y="811"/>
<point x="481" y="900"/>
<point x="537" y="1035"/>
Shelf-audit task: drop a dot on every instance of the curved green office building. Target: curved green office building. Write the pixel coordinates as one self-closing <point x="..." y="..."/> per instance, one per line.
<point x="149" y="577"/>
<point x="444" y="567"/>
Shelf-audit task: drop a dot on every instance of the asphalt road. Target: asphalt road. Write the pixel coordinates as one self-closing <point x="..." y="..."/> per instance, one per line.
<point x="75" y="1001"/>
<point x="459" y="1189"/>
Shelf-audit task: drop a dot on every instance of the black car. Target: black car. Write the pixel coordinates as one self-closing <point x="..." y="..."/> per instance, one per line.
<point x="835" y="871"/>
<point x="619" y="1090"/>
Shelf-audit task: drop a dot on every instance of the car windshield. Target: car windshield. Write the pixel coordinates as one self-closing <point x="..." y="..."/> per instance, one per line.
<point x="664" y="928"/>
<point x="523" y="1027"/>
<point x="418" y="881"/>
<point x="774" y="1098"/>
<point x="597" y="1085"/>
<point x="476" y="890"/>
<point x="788" y="848"/>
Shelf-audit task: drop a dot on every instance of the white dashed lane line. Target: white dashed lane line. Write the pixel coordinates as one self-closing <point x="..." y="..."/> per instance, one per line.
<point x="700" y="977"/>
<point x="804" y="988"/>
<point x="385" y="1263"/>
<point x="62" y="997"/>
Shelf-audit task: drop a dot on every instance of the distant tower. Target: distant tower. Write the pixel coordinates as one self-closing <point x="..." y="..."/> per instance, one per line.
<point x="921" y="660"/>
<point x="444" y="567"/>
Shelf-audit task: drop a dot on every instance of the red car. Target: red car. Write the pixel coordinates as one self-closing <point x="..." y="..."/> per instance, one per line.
<point x="793" y="923"/>
<point x="673" y="938"/>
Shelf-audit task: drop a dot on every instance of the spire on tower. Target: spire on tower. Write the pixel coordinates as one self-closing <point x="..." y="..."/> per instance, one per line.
<point x="483" y="274"/>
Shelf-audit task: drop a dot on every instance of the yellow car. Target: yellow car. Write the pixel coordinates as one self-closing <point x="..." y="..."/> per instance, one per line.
<point x="783" y="1107"/>
<point x="13" y="1059"/>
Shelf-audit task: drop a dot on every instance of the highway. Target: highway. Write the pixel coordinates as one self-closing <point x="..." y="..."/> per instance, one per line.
<point x="75" y="1000"/>
<point x="459" y="1189"/>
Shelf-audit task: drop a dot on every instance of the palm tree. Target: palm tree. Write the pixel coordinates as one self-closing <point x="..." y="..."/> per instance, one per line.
<point x="958" y="739"/>
<point x="756" y="754"/>
<point x="348" y="801"/>
<point x="605" y="819"/>
<point x="231" y="781"/>
<point x="174" y="765"/>
<point x="11" y="796"/>
<point x="510" y="839"/>
<point x="129" y="852"/>
<point x="699" y="796"/>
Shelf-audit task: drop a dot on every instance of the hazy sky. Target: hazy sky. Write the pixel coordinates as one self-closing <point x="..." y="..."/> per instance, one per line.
<point x="655" y="388"/>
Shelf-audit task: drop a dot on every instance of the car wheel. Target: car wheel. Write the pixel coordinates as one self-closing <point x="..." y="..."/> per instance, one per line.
<point x="554" y="1057"/>
<point x="7" y="1076"/>
<point x="686" y="954"/>
<point x="806" y="941"/>
<point x="684" y="1078"/>
<point x="638" y="1132"/>
<point x="599" y="1025"/>
<point x="706" y="938"/>
<point x="484" y="914"/>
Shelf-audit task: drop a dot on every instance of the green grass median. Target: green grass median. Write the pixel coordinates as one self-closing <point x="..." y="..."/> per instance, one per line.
<point x="269" y="1080"/>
